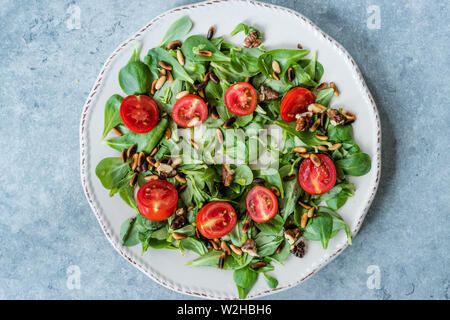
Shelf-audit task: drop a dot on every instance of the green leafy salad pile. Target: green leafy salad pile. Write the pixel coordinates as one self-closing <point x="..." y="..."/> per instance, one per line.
<point x="298" y="196"/>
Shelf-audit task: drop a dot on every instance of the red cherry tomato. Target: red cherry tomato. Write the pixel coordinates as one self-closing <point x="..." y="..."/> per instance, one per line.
<point x="216" y="219"/>
<point x="296" y="101"/>
<point x="188" y="108"/>
<point x="241" y="99"/>
<point x="157" y="200"/>
<point x="139" y="113"/>
<point x="261" y="204"/>
<point x="317" y="180"/>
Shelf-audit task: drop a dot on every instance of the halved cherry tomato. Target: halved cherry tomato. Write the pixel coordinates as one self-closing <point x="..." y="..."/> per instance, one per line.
<point x="317" y="180"/>
<point x="216" y="219"/>
<point x="296" y="101"/>
<point x="241" y="99"/>
<point x="261" y="204"/>
<point x="188" y="108"/>
<point x="157" y="200"/>
<point x="139" y="113"/>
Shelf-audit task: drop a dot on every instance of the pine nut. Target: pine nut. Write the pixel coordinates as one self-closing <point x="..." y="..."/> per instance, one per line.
<point x="176" y="162"/>
<point x="275" y="76"/>
<point x="246" y="226"/>
<point x="180" y="57"/>
<point x="304" y="155"/>
<point x="117" y="131"/>
<point x="322" y="148"/>
<point x="348" y="115"/>
<point x="276" y="66"/>
<point x="219" y="135"/>
<point x="153" y="88"/>
<point x="174" y="45"/>
<point x="322" y="86"/>
<point x="275" y="191"/>
<point x="320" y="137"/>
<point x="300" y="149"/>
<point x="181" y="94"/>
<point x="291" y="74"/>
<point x="141" y="158"/>
<point x="160" y="82"/>
<point x="204" y="53"/>
<point x="304" y="205"/>
<point x="315" y="159"/>
<point x="335" y="146"/>
<point x="178" y="236"/>
<point x="151" y="177"/>
<point x="336" y="91"/>
<point x="134" y="179"/>
<point x="131" y="151"/>
<point x="316" y="108"/>
<point x="167" y="133"/>
<point x="180" y="179"/>
<point x="153" y="152"/>
<point x="315" y="126"/>
<point x="236" y="249"/>
<point x="222" y="260"/>
<point x="304" y="220"/>
<point x="194" y="144"/>
<point x="210" y="33"/>
<point x="258" y="265"/>
<point x="311" y="212"/>
<point x="214" y="78"/>
<point x="165" y="65"/>
<point x="225" y="247"/>
<point x="123" y="155"/>
<point x="169" y="76"/>
<point x="134" y="161"/>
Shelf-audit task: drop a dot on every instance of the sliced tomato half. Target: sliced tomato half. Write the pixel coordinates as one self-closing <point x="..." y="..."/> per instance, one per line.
<point x="295" y="101"/>
<point x="190" y="111"/>
<point x="317" y="180"/>
<point x="216" y="219"/>
<point x="140" y="114"/>
<point x="261" y="204"/>
<point x="157" y="200"/>
<point x="241" y="99"/>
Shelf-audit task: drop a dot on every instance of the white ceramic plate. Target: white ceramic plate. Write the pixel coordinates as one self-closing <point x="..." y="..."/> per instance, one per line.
<point x="283" y="28"/>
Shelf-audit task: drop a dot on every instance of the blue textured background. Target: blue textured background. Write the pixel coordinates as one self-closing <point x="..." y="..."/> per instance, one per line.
<point x="46" y="225"/>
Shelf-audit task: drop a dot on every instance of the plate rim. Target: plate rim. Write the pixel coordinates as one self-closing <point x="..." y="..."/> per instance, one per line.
<point x="86" y="110"/>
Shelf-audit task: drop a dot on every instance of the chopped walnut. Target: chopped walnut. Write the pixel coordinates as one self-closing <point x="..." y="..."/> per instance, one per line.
<point x="227" y="175"/>
<point x="166" y="171"/>
<point x="304" y="121"/>
<point x="267" y="93"/>
<point x="336" y="118"/>
<point x="178" y="222"/>
<point x="249" y="247"/>
<point x="298" y="249"/>
<point x="252" y="40"/>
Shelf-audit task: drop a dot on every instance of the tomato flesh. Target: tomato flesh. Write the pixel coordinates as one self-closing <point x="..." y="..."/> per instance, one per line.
<point x="157" y="200"/>
<point x="317" y="180"/>
<point x="187" y="109"/>
<point x="261" y="204"/>
<point x="296" y="101"/>
<point x="140" y="114"/>
<point x="241" y="99"/>
<point x="216" y="219"/>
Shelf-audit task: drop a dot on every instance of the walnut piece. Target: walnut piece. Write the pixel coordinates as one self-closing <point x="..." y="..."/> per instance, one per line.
<point x="336" y="118"/>
<point x="227" y="175"/>
<point x="267" y="93"/>
<point x="252" y="40"/>
<point x="249" y="247"/>
<point x="304" y="121"/>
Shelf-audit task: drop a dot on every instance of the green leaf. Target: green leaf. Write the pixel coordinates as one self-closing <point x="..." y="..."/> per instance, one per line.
<point x="111" y="171"/>
<point x="267" y="244"/>
<point x="127" y="194"/>
<point x="243" y="175"/>
<point x="324" y="96"/>
<point x="271" y="227"/>
<point x="145" y="141"/>
<point x="160" y="54"/>
<point x="128" y="233"/>
<point x="281" y="256"/>
<point x="285" y="57"/>
<point x="193" y="44"/>
<point x="340" y="133"/>
<point x="319" y="228"/>
<point x="356" y="164"/>
<point x="307" y="137"/>
<point x="291" y="192"/>
<point x="177" y="30"/>
<point x="211" y="259"/>
<point x="135" y="77"/>
<point x="194" y="245"/>
<point x="245" y="277"/>
<point x="112" y="114"/>
<point x="272" y="283"/>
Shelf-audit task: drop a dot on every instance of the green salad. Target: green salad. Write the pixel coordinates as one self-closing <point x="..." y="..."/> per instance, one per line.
<point x="232" y="152"/>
